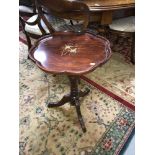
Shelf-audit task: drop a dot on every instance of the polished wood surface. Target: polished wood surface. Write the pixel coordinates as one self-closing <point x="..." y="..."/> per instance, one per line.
<point x="70" y="53"/>
<point x="100" y="5"/>
<point x="102" y="10"/>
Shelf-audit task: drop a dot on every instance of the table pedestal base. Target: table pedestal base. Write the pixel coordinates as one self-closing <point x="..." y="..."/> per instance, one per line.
<point x="73" y="98"/>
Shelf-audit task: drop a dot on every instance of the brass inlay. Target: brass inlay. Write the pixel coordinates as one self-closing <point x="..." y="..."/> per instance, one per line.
<point x="69" y="49"/>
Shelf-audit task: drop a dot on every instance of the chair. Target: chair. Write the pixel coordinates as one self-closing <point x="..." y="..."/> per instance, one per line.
<point x="37" y="23"/>
<point x="72" y="53"/>
<point x="26" y="8"/>
<point x="125" y="27"/>
<point x="35" y="27"/>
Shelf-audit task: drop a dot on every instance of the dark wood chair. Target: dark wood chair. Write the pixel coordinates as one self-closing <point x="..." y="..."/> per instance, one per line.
<point x="35" y="23"/>
<point x="35" y="27"/>
<point x="72" y="53"/>
<point x="27" y="8"/>
<point x="27" y="12"/>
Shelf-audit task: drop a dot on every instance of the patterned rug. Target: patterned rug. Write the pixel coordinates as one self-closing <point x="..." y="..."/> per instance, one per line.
<point x="116" y="76"/>
<point x="108" y="115"/>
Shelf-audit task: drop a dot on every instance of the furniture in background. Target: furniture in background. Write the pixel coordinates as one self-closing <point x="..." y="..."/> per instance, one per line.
<point x="103" y="11"/>
<point x="27" y="8"/>
<point x="36" y="24"/>
<point x="72" y="53"/>
<point x="125" y="27"/>
<point x="25" y="2"/>
<point x="34" y="27"/>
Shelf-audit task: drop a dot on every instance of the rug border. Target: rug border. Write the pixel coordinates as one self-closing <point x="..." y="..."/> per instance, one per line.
<point x="127" y="142"/>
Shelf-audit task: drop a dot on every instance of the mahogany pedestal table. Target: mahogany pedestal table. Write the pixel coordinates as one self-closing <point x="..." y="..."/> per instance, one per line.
<point x="73" y="54"/>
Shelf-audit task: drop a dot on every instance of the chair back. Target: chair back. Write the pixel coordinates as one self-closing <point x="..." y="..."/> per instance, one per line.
<point x="26" y="2"/>
<point x="66" y="9"/>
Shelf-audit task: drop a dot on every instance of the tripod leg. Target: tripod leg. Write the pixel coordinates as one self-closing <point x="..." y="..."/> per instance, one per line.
<point x="84" y="93"/>
<point x="77" y="105"/>
<point x="75" y="94"/>
<point x="64" y="100"/>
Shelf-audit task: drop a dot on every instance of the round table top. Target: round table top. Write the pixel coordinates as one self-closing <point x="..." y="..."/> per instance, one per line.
<point x="70" y="53"/>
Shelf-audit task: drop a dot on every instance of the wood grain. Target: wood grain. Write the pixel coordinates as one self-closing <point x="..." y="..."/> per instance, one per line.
<point x="91" y="51"/>
<point x="100" y="5"/>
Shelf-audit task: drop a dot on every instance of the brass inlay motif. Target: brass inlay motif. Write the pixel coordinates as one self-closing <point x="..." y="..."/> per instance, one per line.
<point x="69" y="49"/>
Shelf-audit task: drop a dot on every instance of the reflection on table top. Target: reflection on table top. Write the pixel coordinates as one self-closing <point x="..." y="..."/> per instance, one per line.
<point x="100" y="5"/>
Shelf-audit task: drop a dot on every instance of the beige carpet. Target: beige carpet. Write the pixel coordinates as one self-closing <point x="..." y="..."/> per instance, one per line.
<point x="57" y="131"/>
<point x="117" y="76"/>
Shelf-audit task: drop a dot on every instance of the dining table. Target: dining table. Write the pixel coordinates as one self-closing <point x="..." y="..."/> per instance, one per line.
<point x="102" y="10"/>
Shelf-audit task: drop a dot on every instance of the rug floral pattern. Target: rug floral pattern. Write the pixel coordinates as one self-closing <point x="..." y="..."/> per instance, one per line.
<point x="56" y="131"/>
<point x="117" y="76"/>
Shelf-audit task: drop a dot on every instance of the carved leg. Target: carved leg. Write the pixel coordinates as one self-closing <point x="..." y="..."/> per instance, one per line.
<point x="84" y="93"/>
<point x="64" y="100"/>
<point x="77" y="105"/>
<point x="73" y="98"/>
<point x="79" y="81"/>
<point x="75" y="94"/>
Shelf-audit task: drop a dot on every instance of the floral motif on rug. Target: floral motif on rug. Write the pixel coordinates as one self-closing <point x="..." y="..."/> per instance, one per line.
<point x="117" y="76"/>
<point x="56" y="131"/>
